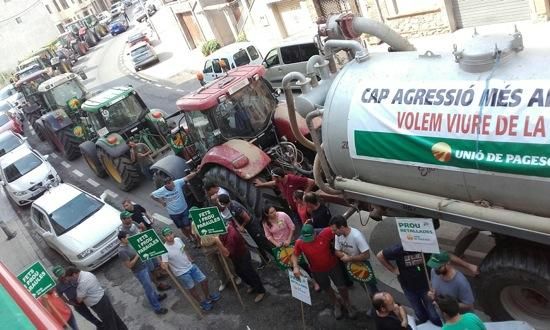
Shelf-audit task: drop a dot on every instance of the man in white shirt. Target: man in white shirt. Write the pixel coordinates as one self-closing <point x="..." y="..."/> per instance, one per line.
<point x="350" y="245"/>
<point x="188" y="274"/>
<point x="90" y="292"/>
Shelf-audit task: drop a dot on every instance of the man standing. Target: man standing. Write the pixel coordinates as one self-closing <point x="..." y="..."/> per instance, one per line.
<point x="140" y="269"/>
<point x="320" y="214"/>
<point x="287" y="183"/>
<point x="58" y="309"/>
<point x="453" y="319"/>
<point x="140" y="153"/>
<point x="213" y="191"/>
<point x="128" y="225"/>
<point x="89" y="291"/>
<point x="232" y="245"/>
<point x="244" y="222"/>
<point x="350" y="245"/>
<point x="324" y="266"/>
<point x="67" y="290"/>
<point x="172" y="198"/>
<point x="10" y="234"/>
<point x="183" y="268"/>
<point x="389" y="315"/>
<point x="139" y="214"/>
<point x="446" y="280"/>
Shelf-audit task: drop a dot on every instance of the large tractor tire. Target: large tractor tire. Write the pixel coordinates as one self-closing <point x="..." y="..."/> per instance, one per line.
<point x="38" y="127"/>
<point x="70" y="142"/>
<point x="515" y="279"/>
<point x="89" y="152"/>
<point x="254" y="199"/>
<point x="121" y="169"/>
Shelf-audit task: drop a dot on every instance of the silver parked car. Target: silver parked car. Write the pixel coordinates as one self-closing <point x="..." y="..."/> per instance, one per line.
<point x="287" y="58"/>
<point x="143" y="55"/>
<point x="79" y="226"/>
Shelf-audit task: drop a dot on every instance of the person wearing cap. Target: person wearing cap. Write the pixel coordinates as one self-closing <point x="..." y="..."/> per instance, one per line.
<point x="140" y="269"/>
<point x="90" y="292"/>
<point x="187" y="272"/>
<point x="446" y="280"/>
<point x="139" y="214"/>
<point x="66" y="289"/>
<point x="232" y="245"/>
<point x="324" y="266"/>
<point x="287" y="183"/>
<point x="171" y="197"/>
<point x="128" y="225"/>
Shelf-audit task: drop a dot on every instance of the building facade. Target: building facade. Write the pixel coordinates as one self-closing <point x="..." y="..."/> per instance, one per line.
<point x="25" y="26"/>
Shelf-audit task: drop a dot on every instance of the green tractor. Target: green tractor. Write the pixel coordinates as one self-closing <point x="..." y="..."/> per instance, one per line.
<point x="117" y="116"/>
<point x="93" y="24"/>
<point x="61" y="122"/>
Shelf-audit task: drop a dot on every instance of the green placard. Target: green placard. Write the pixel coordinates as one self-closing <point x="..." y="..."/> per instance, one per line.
<point x="147" y="244"/>
<point x="208" y="221"/>
<point x="36" y="279"/>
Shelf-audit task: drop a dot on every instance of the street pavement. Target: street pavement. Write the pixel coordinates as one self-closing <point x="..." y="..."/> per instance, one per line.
<point x="105" y="67"/>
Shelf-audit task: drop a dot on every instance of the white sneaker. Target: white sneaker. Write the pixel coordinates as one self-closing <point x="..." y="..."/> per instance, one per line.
<point x="222" y="286"/>
<point x="238" y="280"/>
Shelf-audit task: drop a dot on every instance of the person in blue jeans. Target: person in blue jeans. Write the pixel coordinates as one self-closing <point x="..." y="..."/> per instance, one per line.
<point x="141" y="271"/>
<point x="171" y="196"/>
<point x="187" y="273"/>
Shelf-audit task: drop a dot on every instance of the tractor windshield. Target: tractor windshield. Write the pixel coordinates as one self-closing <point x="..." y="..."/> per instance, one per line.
<point x="202" y="131"/>
<point x="122" y="114"/>
<point x="245" y="113"/>
<point x="59" y="96"/>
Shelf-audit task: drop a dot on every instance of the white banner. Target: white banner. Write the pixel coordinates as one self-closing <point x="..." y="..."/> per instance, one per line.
<point x="299" y="288"/>
<point x="417" y="234"/>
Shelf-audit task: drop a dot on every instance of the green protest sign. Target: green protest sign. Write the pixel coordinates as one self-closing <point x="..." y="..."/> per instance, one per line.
<point x="36" y="279"/>
<point x="208" y="221"/>
<point x="147" y="244"/>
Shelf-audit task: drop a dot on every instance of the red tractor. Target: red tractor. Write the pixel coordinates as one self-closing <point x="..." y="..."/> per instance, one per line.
<point x="235" y="129"/>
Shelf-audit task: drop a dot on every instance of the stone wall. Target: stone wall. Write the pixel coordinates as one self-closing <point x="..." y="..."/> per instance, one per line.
<point x="420" y="24"/>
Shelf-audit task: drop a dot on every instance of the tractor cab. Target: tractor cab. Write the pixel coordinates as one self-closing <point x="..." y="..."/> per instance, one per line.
<point x="63" y="92"/>
<point x="240" y="105"/>
<point x="28" y="86"/>
<point x="43" y="63"/>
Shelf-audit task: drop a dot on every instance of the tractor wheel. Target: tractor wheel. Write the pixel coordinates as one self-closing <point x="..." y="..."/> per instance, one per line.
<point x="39" y="130"/>
<point x="70" y="143"/>
<point x="516" y="284"/>
<point x="90" y="41"/>
<point x="89" y="152"/>
<point x="254" y="199"/>
<point x="121" y="169"/>
<point x="50" y="136"/>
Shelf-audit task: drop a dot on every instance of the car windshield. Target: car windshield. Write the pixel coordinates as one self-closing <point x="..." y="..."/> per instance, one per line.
<point x="73" y="213"/>
<point x="8" y="143"/>
<point x="135" y="37"/>
<point x="60" y="95"/>
<point x="6" y="92"/>
<point x="21" y="167"/>
<point x="122" y="113"/>
<point x="139" y="51"/>
<point x="247" y="112"/>
<point x="4" y="106"/>
<point x="4" y="119"/>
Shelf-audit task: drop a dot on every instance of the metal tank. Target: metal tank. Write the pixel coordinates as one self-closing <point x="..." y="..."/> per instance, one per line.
<point x="391" y="119"/>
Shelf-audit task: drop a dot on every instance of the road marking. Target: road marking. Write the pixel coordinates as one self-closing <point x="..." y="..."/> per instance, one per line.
<point x="170" y="88"/>
<point x="145" y="80"/>
<point x="181" y="90"/>
<point x="64" y="163"/>
<point x="78" y="173"/>
<point x="111" y="193"/>
<point x="53" y="155"/>
<point x="93" y="183"/>
<point x="158" y="85"/>
<point x="162" y="219"/>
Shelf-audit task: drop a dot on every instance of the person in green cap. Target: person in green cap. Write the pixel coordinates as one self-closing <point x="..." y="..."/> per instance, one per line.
<point x="446" y="280"/>
<point x="128" y="225"/>
<point x="187" y="272"/>
<point x="67" y="290"/>
<point x="324" y="266"/>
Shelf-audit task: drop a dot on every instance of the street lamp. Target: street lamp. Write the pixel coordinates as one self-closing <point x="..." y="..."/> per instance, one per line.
<point x="142" y="3"/>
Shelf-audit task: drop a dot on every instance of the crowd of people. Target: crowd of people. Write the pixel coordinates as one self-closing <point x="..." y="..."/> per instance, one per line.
<point x="324" y="245"/>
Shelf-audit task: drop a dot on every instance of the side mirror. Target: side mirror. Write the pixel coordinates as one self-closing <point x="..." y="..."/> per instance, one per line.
<point x="45" y="234"/>
<point x="264" y="63"/>
<point x="46" y="157"/>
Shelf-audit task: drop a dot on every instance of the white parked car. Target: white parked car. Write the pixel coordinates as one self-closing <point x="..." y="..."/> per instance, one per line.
<point x="25" y="174"/>
<point x="9" y="141"/>
<point x="79" y="226"/>
<point x="104" y="17"/>
<point x="12" y="96"/>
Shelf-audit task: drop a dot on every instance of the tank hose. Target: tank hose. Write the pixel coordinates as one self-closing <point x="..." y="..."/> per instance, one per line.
<point x="292" y="108"/>
<point x="318" y="176"/>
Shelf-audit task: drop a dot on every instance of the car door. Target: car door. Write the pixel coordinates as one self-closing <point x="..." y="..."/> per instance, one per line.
<point x="274" y="73"/>
<point x="212" y="69"/>
<point x="254" y="54"/>
<point x="42" y="226"/>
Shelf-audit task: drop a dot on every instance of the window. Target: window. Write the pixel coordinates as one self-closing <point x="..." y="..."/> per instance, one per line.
<point x="208" y="67"/>
<point x="8" y="143"/>
<point x="241" y="58"/>
<point x="48" y="9"/>
<point x="21" y="167"/>
<point x="56" y="5"/>
<point x="252" y="52"/>
<point x="290" y="54"/>
<point x="307" y="51"/>
<point x="18" y="20"/>
<point x="74" y="212"/>
<point x="64" y="4"/>
<point x="40" y="219"/>
<point x="216" y="65"/>
<point x="272" y="58"/>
